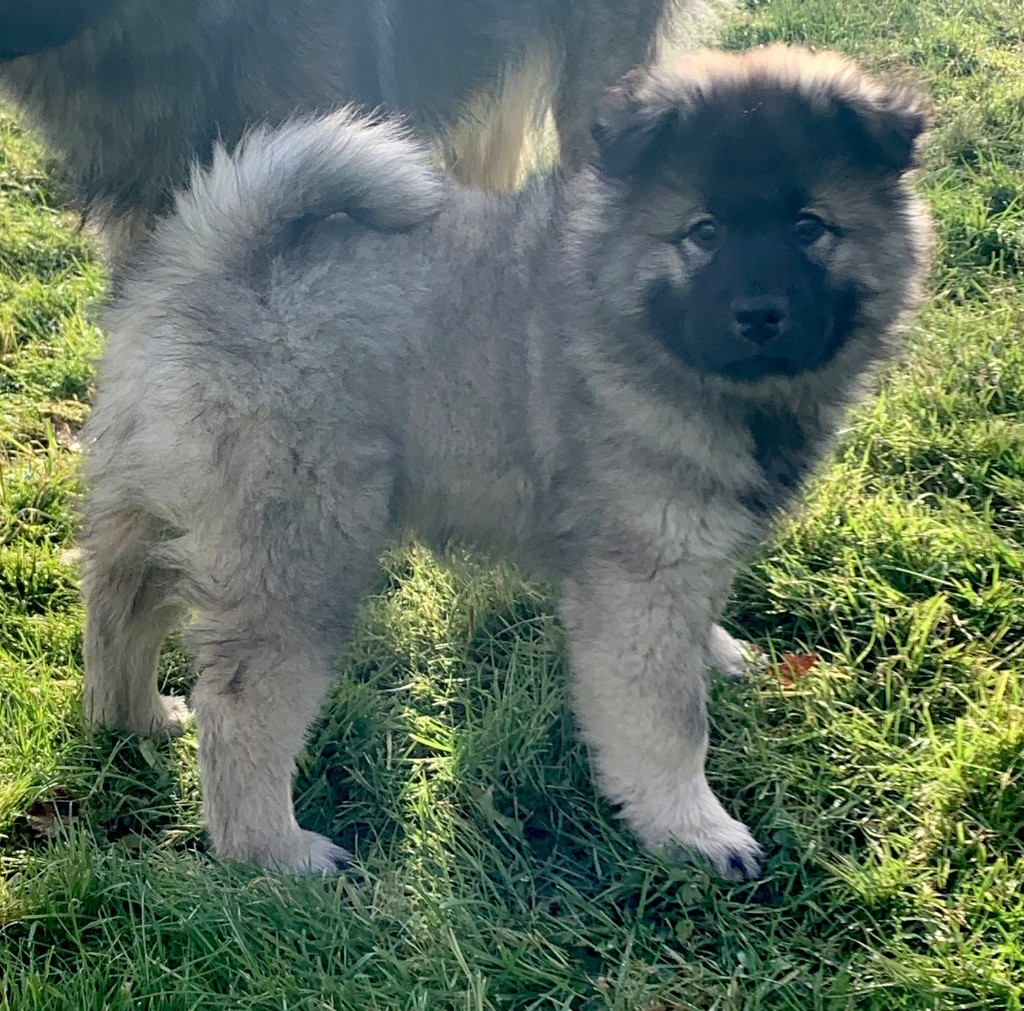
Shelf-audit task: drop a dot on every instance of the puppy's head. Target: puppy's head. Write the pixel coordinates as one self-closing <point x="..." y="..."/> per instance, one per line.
<point x="766" y="214"/>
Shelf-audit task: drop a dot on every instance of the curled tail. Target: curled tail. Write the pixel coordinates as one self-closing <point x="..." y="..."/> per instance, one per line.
<point x="311" y="167"/>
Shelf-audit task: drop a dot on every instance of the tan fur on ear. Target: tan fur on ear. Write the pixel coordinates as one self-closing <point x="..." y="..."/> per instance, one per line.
<point x="890" y="112"/>
<point x="892" y="117"/>
<point x="632" y="118"/>
<point x="888" y="115"/>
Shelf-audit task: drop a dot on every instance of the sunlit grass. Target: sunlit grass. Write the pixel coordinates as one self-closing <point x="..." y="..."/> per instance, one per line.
<point x="887" y="784"/>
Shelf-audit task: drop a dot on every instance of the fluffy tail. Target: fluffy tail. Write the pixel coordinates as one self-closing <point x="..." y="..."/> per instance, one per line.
<point x="246" y="201"/>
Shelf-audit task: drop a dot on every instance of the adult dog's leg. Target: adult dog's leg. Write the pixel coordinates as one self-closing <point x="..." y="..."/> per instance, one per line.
<point x="604" y="40"/>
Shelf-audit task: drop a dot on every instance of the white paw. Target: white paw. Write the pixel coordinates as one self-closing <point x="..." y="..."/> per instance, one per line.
<point x="175" y="713"/>
<point x="691" y="815"/>
<point x="311" y="853"/>
<point x="158" y="716"/>
<point x="734" y="658"/>
<point x="728" y="847"/>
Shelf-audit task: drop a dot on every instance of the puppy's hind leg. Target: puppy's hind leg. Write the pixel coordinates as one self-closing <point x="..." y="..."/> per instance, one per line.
<point x="128" y="612"/>
<point x="264" y="643"/>
<point x="262" y="679"/>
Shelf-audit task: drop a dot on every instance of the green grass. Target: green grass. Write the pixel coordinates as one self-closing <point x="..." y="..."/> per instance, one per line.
<point x="887" y="785"/>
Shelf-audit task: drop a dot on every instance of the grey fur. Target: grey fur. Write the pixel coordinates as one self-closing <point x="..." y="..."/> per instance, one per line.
<point x="281" y="391"/>
<point x="131" y="91"/>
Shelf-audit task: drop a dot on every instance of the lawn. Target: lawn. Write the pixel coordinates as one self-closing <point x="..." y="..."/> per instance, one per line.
<point x="886" y="782"/>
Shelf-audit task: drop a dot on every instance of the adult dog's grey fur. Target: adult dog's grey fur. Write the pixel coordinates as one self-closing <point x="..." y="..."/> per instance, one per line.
<point x="132" y="91"/>
<point x="620" y="375"/>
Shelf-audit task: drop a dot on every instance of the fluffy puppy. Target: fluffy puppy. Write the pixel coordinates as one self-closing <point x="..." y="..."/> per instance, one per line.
<point x="619" y="375"/>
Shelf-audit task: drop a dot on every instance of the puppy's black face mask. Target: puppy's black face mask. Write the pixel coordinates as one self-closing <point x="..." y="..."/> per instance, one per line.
<point x="759" y="305"/>
<point x="770" y="188"/>
<point x="30" y="26"/>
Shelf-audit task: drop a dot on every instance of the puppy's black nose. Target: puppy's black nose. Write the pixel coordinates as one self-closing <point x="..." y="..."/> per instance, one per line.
<point x="760" y="319"/>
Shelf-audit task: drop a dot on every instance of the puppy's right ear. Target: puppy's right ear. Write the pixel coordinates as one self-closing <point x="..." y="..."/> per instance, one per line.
<point x="634" y="118"/>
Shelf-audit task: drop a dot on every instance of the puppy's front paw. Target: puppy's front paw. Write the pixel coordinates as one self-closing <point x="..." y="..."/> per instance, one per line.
<point x="690" y="815"/>
<point x="733" y="657"/>
<point x="175" y="713"/>
<point x="728" y="847"/>
<point x="311" y="853"/>
<point x="158" y="716"/>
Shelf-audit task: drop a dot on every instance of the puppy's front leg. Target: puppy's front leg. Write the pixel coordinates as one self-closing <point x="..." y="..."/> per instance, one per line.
<point x="637" y="648"/>
<point x="734" y="658"/>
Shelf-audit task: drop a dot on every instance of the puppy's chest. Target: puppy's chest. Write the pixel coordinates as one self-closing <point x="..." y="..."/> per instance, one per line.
<point x="708" y="485"/>
<point x="784" y="447"/>
<point x="697" y="519"/>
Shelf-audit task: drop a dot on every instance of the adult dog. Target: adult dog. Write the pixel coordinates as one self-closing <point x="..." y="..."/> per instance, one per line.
<point x="131" y="92"/>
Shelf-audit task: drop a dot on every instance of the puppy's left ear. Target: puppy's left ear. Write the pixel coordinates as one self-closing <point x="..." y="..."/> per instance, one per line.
<point x="891" y="119"/>
<point x="633" y="119"/>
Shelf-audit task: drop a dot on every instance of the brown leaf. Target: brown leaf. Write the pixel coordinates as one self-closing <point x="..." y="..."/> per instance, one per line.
<point x="794" y="666"/>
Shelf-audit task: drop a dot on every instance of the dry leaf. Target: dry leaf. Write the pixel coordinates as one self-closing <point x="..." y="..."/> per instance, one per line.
<point x="794" y="666"/>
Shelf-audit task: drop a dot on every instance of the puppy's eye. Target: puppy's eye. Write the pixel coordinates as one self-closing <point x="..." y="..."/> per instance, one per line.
<point x="808" y="228"/>
<point x="704" y="233"/>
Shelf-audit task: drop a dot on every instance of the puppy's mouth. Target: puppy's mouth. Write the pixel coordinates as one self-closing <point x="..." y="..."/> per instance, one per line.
<point x="770" y="358"/>
<point x="712" y="343"/>
<point x="760" y="366"/>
